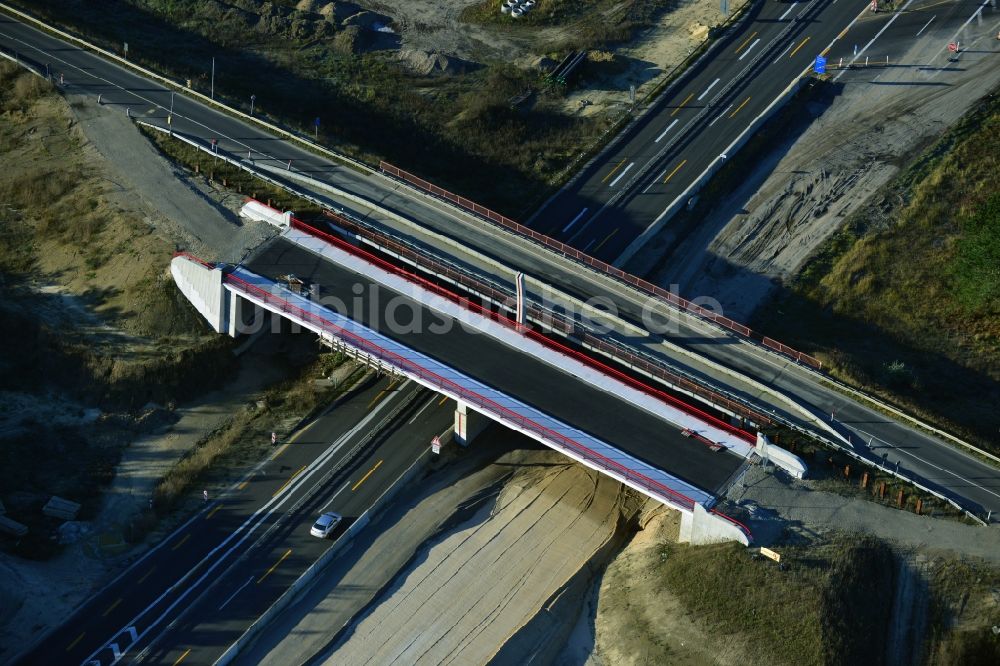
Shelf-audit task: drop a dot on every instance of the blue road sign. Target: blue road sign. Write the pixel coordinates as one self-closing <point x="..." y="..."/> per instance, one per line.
<point x="316" y="122"/>
<point x="820" y="66"/>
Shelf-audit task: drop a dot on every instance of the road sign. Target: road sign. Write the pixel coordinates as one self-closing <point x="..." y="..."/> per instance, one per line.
<point x="952" y="46"/>
<point x="436" y="445"/>
<point x="767" y="552"/>
<point x="820" y="66"/>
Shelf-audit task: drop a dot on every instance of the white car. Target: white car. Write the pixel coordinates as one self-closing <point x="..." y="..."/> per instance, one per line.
<point x="325" y="524"/>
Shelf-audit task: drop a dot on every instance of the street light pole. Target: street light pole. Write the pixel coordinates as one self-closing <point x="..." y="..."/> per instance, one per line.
<point x="252" y="98"/>
<point x="171" y="103"/>
<point x="212" y="95"/>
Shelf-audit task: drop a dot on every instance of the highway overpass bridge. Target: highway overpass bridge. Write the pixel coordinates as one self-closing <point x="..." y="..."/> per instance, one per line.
<point x="492" y="367"/>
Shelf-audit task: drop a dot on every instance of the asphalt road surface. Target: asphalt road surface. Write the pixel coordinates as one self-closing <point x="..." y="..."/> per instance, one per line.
<point x="959" y="475"/>
<point x="201" y="587"/>
<point x="596" y="412"/>
<point x="629" y="187"/>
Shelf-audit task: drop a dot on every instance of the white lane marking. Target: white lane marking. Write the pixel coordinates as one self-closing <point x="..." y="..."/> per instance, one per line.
<point x="233" y="595"/>
<point x="565" y="229"/>
<point x="589" y="244"/>
<point x="655" y="181"/>
<point x="878" y="34"/>
<point x="218" y="555"/>
<point x="668" y="128"/>
<point x="334" y="496"/>
<point x="710" y="86"/>
<point x="432" y="399"/>
<point x="937" y="467"/>
<point x="749" y="49"/>
<point x="720" y="115"/>
<point x="624" y="171"/>
<point x="782" y="17"/>
<point x="925" y="25"/>
<point x="787" y="49"/>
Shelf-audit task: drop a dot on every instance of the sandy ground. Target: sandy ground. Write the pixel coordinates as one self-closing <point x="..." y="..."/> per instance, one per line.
<point x="37" y="595"/>
<point x="531" y="519"/>
<point x="648" y="58"/>
<point x="801" y="192"/>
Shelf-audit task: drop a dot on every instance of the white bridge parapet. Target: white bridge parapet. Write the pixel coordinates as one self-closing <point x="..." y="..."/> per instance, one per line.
<point x="199" y="281"/>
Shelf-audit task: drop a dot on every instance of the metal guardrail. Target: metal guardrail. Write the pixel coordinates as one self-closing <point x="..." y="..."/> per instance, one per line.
<point x="571" y="252"/>
<point x="547" y="317"/>
<point x="445" y="385"/>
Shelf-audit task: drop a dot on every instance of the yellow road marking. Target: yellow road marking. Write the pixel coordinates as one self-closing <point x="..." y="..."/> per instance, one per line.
<point x="212" y="512"/>
<point x="243" y="485"/>
<point x="733" y="114"/>
<point x="112" y="607"/>
<point x="376" y="398"/>
<point x="181" y="658"/>
<point x="182" y="541"/>
<point x="289" y="480"/>
<point x="148" y="574"/>
<point x="75" y="641"/>
<point x="606" y="239"/>
<point x="612" y="172"/>
<point x="365" y="477"/>
<point x="277" y="453"/>
<point x="676" y="169"/>
<point x="796" y="49"/>
<point x="842" y="33"/>
<point x="274" y="566"/>
<point x="825" y="51"/>
<point x="443" y="400"/>
<point x="674" y="112"/>
<point x="740" y="48"/>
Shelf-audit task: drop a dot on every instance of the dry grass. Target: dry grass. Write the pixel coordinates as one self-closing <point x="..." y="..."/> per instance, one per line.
<point x="907" y="303"/>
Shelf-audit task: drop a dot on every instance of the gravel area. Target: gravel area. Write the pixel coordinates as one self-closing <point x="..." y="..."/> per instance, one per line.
<point x="796" y="507"/>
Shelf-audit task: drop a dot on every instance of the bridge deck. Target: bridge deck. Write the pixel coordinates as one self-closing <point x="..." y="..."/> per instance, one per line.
<point x="598" y="413"/>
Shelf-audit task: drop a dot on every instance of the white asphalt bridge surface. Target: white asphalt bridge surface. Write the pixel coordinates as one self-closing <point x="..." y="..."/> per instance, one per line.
<point x="450" y="381"/>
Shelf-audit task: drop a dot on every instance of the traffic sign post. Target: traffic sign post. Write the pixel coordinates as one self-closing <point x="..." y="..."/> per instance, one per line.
<point x="436" y="445"/>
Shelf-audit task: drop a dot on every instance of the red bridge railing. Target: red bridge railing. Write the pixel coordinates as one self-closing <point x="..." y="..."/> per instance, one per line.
<point x="433" y="379"/>
<point x="593" y="262"/>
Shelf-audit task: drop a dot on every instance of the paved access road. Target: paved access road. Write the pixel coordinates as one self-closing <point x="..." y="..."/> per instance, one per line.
<point x="201" y="587"/>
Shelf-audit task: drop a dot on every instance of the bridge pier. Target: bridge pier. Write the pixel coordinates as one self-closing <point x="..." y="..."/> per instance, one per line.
<point x="701" y="526"/>
<point x="468" y="424"/>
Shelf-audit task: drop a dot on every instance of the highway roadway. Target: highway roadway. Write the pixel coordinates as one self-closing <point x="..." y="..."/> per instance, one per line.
<point x="959" y="475"/>
<point x="189" y="598"/>
<point x="650" y="169"/>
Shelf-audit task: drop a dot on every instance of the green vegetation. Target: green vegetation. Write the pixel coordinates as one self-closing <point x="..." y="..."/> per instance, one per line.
<point x="964" y="598"/>
<point x="458" y="129"/>
<point x="904" y="300"/>
<point x="220" y="172"/>
<point x="828" y="603"/>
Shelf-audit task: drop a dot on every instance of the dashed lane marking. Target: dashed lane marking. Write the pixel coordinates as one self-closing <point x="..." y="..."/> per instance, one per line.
<point x="733" y="114"/>
<point x="112" y="607"/>
<point x="365" y="477"/>
<point x="676" y="169"/>
<point x="801" y="44"/>
<point x="274" y="566"/>
<point x="612" y="172"/>
<point x="688" y="99"/>
<point x="75" y="641"/>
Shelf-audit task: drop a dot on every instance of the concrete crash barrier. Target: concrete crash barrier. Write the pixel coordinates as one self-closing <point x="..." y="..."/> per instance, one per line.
<point x="702" y="526"/>
<point x="258" y="212"/>
<point x="786" y="460"/>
